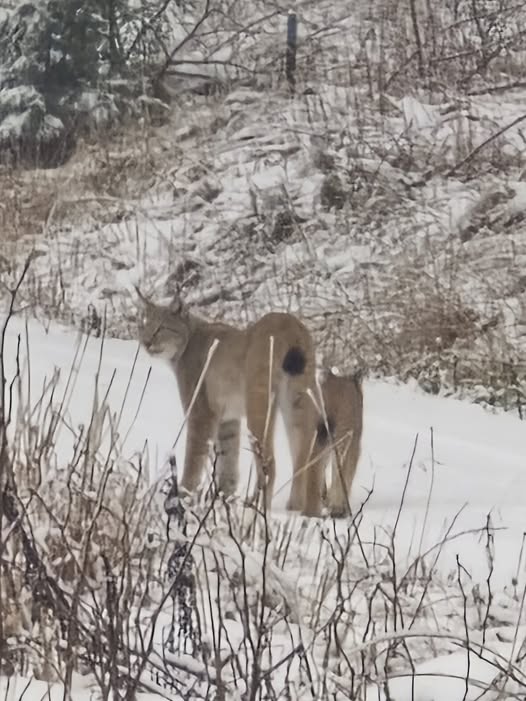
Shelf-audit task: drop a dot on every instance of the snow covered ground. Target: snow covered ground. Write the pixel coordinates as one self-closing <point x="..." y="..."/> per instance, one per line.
<point x="467" y="464"/>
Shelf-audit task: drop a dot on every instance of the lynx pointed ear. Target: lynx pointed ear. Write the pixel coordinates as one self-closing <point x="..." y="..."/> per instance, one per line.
<point x="176" y="304"/>
<point x="325" y="371"/>
<point x="358" y="376"/>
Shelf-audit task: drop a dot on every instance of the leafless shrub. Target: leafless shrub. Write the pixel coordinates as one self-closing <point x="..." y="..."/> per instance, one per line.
<point x="467" y="44"/>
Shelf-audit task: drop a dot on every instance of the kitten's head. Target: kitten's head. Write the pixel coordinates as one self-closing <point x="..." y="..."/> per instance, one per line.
<point x="163" y="330"/>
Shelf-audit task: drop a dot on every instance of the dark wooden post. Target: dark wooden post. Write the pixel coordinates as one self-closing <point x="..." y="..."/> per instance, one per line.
<point x="292" y="42"/>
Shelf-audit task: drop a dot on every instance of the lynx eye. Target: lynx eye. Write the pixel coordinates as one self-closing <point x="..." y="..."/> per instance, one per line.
<point x="156" y="331"/>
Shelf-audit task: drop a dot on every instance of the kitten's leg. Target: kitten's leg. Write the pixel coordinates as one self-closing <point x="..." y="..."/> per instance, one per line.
<point x="345" y="462"/>
<point x="314" y="479"/>
<point x="227" y="456"/>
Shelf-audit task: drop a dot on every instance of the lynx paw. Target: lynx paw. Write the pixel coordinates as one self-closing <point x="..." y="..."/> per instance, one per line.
<point x="312" y="511"/>
<point x="294" y="503"/>
<point x="227" y="485"/>
<point x="339" y="510"/>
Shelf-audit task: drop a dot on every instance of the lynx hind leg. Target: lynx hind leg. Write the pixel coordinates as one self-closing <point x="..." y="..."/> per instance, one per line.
<point x="261" y="414"/>
<point x="296" y="434"/>
<point x="297" y="490"/>
<point x="227" y="456"/>
<point x="308" y="474"/>
<point x="312" y="461"/>
<point x="264" y="460"/>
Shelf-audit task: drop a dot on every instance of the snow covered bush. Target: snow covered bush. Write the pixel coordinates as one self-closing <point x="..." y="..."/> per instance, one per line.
<point x="64" y="70"/>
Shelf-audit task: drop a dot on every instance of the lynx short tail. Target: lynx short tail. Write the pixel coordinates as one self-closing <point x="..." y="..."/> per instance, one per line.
<point x="324" y="430"/>
<point x="294" y="361"/>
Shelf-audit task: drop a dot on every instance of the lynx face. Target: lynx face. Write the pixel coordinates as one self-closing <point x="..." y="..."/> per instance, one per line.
<point x="163" y="330"/>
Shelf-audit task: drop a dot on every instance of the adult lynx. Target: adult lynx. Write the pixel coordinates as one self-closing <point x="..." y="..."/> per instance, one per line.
<point x="253" y="372"/>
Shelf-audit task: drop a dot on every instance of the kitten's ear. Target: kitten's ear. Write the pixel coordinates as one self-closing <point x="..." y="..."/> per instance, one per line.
<point x="358" y="376"/>
<point x="325" y="371"/>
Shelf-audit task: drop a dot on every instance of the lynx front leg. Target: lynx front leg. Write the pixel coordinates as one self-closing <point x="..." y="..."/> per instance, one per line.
<point x="227" y="461"/>
<point x="200" y="430"/>
<point x="345" y="460"/>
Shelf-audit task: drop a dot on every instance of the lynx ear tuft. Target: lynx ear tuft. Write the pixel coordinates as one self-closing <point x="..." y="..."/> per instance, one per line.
<point x="140" y="295"/>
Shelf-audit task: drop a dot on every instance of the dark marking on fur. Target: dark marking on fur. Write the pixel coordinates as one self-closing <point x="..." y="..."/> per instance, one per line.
<point x="228" y="431"/>
<point x="324" y="430"/>
<point x="294" y="361"/>
<point x="358" y="377"/>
